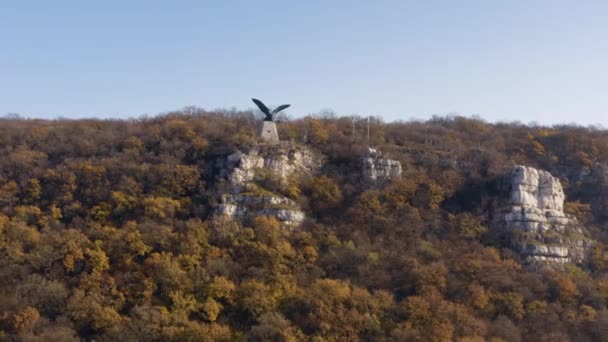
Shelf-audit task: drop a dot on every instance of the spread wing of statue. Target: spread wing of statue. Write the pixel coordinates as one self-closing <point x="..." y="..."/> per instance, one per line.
<point x="265" y="110"/>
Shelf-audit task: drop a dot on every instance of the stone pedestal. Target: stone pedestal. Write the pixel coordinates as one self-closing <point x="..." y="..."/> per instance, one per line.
<point x="268" y="132"/>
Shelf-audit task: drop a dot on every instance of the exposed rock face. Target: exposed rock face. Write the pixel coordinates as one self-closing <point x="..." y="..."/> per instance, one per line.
<point x="542" y="232"/>
<point x="241" y="205"/>
<point x="377" y="167"/>
<point x="536" y="188"/>
<point x="283" y="161"/>
<point x="246" y="199"/>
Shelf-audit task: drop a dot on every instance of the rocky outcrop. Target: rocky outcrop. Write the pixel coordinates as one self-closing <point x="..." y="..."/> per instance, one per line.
<point x="242" y="205"/>
<point x="535" y="218"/>
<point x="376" y="167"/>
<point x="537" y="201"/>
<point x="283" y="161"/>
<point x="246" y="199"/>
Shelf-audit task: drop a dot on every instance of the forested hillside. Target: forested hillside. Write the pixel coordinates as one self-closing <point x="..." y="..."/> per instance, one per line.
<point x="108" y="233"/>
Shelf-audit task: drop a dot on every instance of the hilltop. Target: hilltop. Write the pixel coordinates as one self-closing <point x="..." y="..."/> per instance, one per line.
<point x="187" y="227"/>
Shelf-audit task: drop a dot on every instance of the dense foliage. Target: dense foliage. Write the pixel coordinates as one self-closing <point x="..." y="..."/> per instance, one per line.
<point x="106" y="233"/>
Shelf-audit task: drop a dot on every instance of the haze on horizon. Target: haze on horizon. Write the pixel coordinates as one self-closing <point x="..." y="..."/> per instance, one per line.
<point x="541" y="61"/>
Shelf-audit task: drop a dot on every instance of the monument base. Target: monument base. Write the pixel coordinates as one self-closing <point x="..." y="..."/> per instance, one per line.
<point x="268" y="132"/>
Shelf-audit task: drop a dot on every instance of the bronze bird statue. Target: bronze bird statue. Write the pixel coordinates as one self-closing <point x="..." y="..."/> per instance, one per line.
<point x="265" y="110"/>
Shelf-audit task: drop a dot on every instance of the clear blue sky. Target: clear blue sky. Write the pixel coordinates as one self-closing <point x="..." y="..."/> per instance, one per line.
<point x="543" y="61"/>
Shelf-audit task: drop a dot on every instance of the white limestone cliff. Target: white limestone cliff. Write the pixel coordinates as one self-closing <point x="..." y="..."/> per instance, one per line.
<point x="240" y="205"/>
<point x="282" y="161"/>
<point x="535" y="215"/>
<point x="376" y="167"/>
<point x="247" y="200"/>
